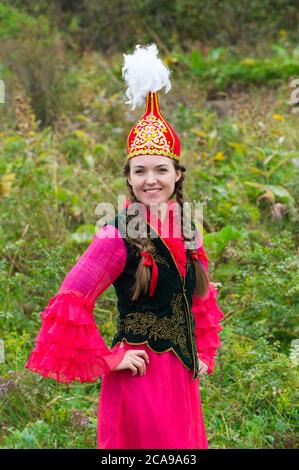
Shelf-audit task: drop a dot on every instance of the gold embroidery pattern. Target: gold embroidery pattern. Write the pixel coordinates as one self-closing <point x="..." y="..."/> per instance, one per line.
<point x="172" y="328"/>
<point x="153" y="152"/>
<point x="150" y="133"/>
<point x="159" y="258"/>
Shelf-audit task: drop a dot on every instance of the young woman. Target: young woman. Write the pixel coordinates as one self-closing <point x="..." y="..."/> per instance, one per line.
<point x="169" y="321"/>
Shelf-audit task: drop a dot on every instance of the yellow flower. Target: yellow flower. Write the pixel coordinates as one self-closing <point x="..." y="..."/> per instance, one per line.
<point x="219" y="156"/>
<point x="80" y="134"/>
<point x="248" y="61"/>
<point x="282" y="33"/>
<point x="6" y="183"/>
<point x="169" y="60"/>
<point x="278" y="117"/>
<point x="199" y="133"/>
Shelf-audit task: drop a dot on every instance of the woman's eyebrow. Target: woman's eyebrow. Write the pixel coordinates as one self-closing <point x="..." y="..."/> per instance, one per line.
<point x="158" y="166"/>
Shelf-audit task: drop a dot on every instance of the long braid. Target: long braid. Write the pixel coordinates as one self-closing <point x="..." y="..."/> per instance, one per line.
<point x="143" y="273"/>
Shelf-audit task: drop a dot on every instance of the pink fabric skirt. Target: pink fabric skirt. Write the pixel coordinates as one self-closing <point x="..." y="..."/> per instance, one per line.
<point x="160" y="410"/>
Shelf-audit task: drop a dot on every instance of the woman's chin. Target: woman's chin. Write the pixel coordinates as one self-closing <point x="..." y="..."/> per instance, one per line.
<point x="153" y="199"/>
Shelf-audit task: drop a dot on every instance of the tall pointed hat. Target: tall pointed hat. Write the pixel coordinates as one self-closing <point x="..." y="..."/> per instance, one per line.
<point x="145" y="74"/>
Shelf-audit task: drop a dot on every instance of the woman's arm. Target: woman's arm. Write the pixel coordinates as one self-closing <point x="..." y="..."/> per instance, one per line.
<point x="69" y="346"/>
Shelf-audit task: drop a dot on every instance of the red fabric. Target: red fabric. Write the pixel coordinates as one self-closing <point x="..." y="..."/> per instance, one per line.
<point x="159" y="410"/>
<point x="69" y="346"/>
<point x="149" y="261"/>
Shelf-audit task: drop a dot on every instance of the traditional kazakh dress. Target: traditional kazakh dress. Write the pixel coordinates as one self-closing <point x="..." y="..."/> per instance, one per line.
<point x="162" y="409"/>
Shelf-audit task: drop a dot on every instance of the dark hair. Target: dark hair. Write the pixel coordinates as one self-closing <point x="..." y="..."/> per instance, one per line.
<point x="143" y="273"/>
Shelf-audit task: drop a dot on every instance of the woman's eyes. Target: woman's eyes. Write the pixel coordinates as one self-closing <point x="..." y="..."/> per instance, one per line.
<point x="161" y="170"/>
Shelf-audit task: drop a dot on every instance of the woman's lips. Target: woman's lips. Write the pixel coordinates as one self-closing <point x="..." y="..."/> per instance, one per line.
<point x="152" y="190"/>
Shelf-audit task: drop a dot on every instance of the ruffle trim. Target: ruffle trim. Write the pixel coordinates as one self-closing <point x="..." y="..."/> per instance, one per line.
<point x="207" y="316"/>
<point x="208" y="338"/>
<point x="69" y="346"/>
<point x="206" y="310"/>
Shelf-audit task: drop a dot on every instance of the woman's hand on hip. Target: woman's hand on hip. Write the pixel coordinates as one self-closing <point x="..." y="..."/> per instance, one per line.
<point x="134" y="360"/>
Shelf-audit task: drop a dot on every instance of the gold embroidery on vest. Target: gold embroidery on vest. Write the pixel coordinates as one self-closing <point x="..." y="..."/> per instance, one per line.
<point x="159" y="258"/>
<point x="172" y="328"/>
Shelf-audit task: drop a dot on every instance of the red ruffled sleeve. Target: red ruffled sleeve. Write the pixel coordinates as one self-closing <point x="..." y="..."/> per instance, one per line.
<point x="208" y="316"/>
<point x="69" y="347"/>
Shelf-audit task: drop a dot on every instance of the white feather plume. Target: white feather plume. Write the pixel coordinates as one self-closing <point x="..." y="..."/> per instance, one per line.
<point x="143" y="72"/>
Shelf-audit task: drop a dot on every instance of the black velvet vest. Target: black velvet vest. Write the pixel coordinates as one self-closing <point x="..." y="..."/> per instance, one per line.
<point x="164" y="321"/>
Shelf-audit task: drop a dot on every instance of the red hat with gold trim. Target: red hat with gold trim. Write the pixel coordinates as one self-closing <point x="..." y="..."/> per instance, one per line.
<point x="145" y="74"/>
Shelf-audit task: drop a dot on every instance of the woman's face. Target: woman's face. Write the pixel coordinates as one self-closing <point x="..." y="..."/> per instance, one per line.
<point x="152" y="178"/>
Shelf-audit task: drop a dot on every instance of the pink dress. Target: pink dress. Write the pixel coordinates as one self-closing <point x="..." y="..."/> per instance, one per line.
<point x="160" y="410"/>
